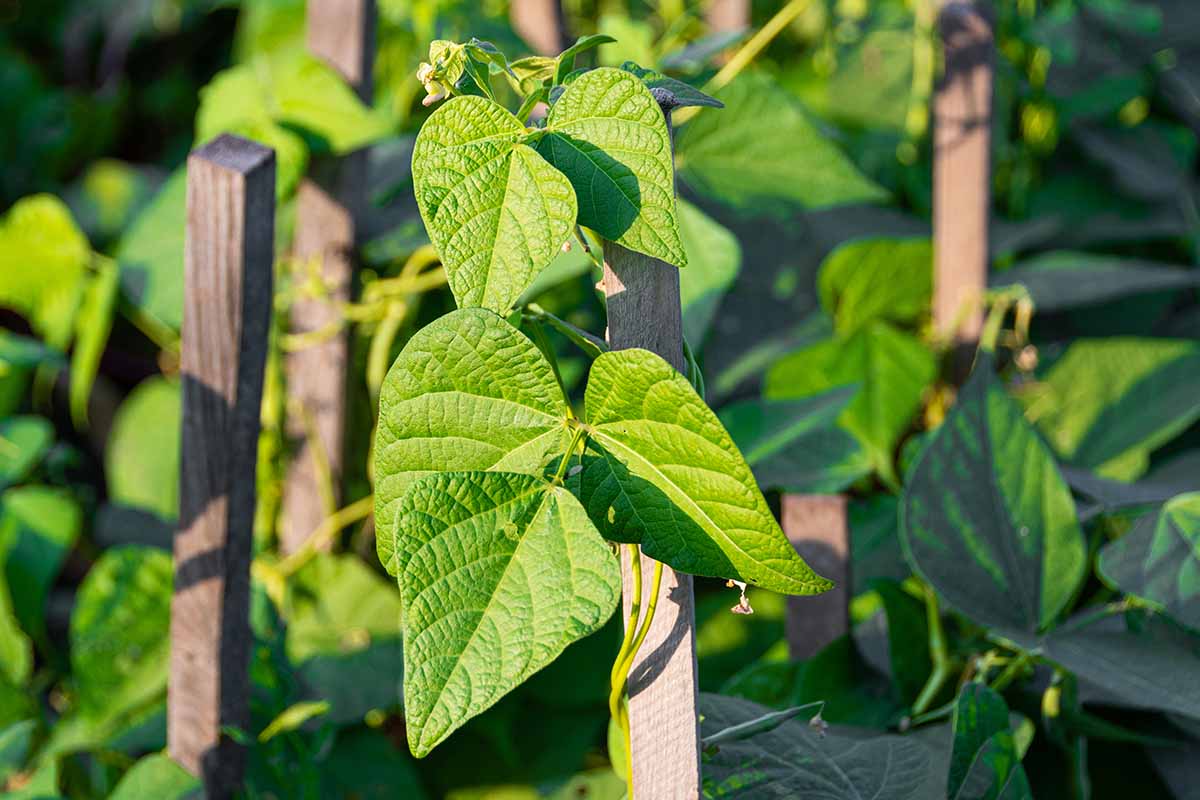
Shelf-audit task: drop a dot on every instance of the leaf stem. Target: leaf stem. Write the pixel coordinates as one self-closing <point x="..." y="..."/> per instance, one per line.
<point x="560" y="473"/>
<point x="938" y="653"/>
<point x="628" y="654"/>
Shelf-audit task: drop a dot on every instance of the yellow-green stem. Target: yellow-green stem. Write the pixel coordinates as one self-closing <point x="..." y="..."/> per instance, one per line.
<point x="938" y="653"/>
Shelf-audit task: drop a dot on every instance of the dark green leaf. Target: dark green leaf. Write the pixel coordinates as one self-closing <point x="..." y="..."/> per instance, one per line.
<point x="1063" y="280"/>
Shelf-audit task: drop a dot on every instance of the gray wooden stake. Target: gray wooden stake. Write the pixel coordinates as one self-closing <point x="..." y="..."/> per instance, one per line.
<point x="329" y="204"/>
<point x="227" y="311"/>
<point x="962" y="120"/>
<point x="644" y="311"/>
<point x="815" y="524"/>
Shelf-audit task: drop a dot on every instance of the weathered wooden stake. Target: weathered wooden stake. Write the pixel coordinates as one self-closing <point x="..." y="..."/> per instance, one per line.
<point x="816" y="526"/>
<point x="329" y="203"/>
<point x="644" y="311"/>
<point x="962" y="119"/>
<point x="227" y="310"/>
<point x="540" y="23"/>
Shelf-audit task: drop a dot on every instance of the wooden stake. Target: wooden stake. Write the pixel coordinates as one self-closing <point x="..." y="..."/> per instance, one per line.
<point x="816" y="526"/>
<point x="540" y="23"/>
<point x="962" y="117"/>
<point x="329" y="203"/>
<point x="644" y="311"/>
<point x="728" y="15"/>
<point x="227" y="310"/>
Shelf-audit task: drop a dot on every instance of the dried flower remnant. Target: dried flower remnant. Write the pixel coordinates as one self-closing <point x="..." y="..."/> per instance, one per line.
<point x="743" y="605"/>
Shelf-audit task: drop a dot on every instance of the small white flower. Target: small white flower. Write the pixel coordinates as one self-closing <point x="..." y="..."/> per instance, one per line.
<point x="425" y="73"/>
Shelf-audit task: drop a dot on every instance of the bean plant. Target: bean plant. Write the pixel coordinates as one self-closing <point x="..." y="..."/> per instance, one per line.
<point x="499" y="507"/>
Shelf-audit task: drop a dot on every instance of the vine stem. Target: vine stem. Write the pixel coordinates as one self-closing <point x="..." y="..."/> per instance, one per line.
<point x="561" y="472"/>
<point x="938" y="653"/>
<point x="747" y="53"/>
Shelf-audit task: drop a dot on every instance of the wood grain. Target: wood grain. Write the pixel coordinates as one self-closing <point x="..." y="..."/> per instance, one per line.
<point x="644" y="311"/>
<point x="816" y="526"/>
<point x="330" y="202"/>
<point x="540" y="23"/>
<point x="962" y="117"/>
<point x="227" y="309"/>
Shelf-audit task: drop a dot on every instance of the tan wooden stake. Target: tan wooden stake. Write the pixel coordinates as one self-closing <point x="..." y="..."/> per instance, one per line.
<point x="728" y="15"/>
<point x="329" y="204"/>
<point x="540" y="23"/>
<point x="816" y="526"/>
<point x="227" y="310"/>
<point x="644" y="311"/>
<point x="962" y="118"/>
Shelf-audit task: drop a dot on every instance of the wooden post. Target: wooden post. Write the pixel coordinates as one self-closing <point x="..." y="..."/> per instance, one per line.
<point x="816" y="526"/>
<point x="644" y="311"/>
<point x="728" y="15"/>
<point x="227" y="310"/>
<point x="329" y="204"/>
<point x="962" y="118"/>
<point x="540" y="23"/>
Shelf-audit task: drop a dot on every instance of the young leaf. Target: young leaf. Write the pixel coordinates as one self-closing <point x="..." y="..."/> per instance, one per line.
<point x="793" y="760"/>
<point x="142" y="456"/>
<point x="566" y="59"/>
<point x="681" y="94"/>
<point x="987" y="519"/>
<point x="984" y="762"/>
<point x="499" y="572"/>
<point x="159" y="777"/>
<point x="1112" y="401"/>
<point x="763" y="149"/>
<point x="1159" y="560"/>
<point x="892" y="368"/>
<point x="468" y="392"/>
<point x="607" y="134"/>
<point x="495" y="210"/>
<point x="869" y="279"/>
<point x="661" y="470"/>
<point x="23" y="442"/>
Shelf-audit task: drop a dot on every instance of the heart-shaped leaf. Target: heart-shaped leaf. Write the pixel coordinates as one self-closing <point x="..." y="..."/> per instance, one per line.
<point x="660" y="469"/>
<point x="495" y="210"/>
<point x="1159" y="560"/>
<point x="499" y="573"/>
<point x="607" y="134"/>
<point x="987" y="518"/>
<point x="468" y="392"/>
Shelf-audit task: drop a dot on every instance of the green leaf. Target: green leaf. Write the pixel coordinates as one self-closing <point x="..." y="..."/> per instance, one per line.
<point x="728" y="157"/>
<point x="495" y="210"/>
<point x="43" y="261"/>
<point x="499" y="573"/>
<point x="293" y="717"/>
<point x="119" y="631"/>
<point x="343" y="635"/>
<point x="24" y="440"/>
<point x="1141" y="661"/>
<point x="151" y="254"/>
<point x="566" y="59"/>
<point x="608" y="135"/>
<point x="793" y="760"/>
<point x="714" y="259"/>
<point x="16" y="741"/>
<point x="986" y="517"/>
<point x="1110" y="402"/>
<point x="292" y="88"/>
<point x="392" y="772"/>
<point x="468" y="392"/>
<point x="42" y="785"/>
<point x="142" y="456"/>
<point x="984" y="762"/>
<point x="870" y="279"/>
<point x="1063" y="280"/>
<point x="19" y="352"/>
<point x="660" y="469"/>
<point x="91" y="335"/>
<point x="159" y="777"/>
<point x="1159" y="560"/>
<point x="893" y="370"/>
<point x="794" y="445"/>
<point x="16" y="651"/>
<point x="681" y="94"/>
<point x="39" y="526"/>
